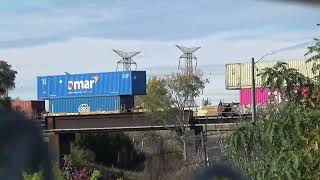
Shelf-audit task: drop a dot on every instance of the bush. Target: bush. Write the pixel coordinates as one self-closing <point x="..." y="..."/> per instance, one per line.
<point x="5" y="103"/>
<point x="40" y="176"/>
<point x="80" y="156"/>
<point x="34" y="176"/>
<point x="95" y="175"/>
<point x="283" y="144"/>
<point x="112" y="150"/>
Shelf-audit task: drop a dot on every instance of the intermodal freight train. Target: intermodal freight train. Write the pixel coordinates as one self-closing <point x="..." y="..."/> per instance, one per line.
<point x="222" y="109"/>
<point x="92" y="92"/>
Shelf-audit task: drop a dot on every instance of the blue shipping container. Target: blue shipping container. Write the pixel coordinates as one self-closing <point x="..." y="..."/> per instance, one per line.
<point x="92" y="84"/>
<point x="91" y="104"/>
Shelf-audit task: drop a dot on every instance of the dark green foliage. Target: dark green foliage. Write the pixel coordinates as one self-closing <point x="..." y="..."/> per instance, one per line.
<point x="314" y="53"/>
<point x="157" y="102"/>
<point x="291" y="83"/>
<point x="95" y="175"/>
<point x="80" y="156"/>
<point x="5" y="103"/>
<point x="112" y="150"/>
<point x="167" y="97"/>
<point x="7" y="77"/>
<point x="57" y="175"/>
<point x="284" y="142"/>
<point x="33" y="176"/>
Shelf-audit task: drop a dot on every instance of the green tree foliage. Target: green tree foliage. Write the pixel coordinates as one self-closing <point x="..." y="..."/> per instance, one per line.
<point x="314" y="57"/>
<point x="181" y="89"/>
<point x="293" y="85"/>
<point x="111" y="150"/>
<point x="5" y="103"/>
<point x="168" y="98"/>
<point x="39" y="175"/>
<point x="95" y="175"/>
<point x="34" y="176"/>
<point x="7" y="77"/>
<point x="79" y="156"/>
<point x="314" y="51"/>
<point x="157" y="102"/>
<point x="286" y="135"/>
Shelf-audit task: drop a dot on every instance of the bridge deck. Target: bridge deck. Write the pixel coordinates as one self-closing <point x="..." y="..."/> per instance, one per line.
<point x="137" y="121"/>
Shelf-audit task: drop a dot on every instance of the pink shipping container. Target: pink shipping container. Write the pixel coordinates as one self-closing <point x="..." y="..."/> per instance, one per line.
<point x="262" y="96"/>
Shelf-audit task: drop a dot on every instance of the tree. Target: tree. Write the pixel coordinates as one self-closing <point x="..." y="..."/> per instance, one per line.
<point x="157" y="101"/>
<point x="168" y="98"/>
<point x="163" y="154"/>
<point x="286" y="135"/>
<point x="5" y="103"/>
<point x="7" y="82"/>
<point x="314" y="51"/>
<point x="7" y="77"/>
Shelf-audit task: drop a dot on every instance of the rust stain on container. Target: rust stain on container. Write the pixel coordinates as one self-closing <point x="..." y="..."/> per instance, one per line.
<point x="32" y="109"/>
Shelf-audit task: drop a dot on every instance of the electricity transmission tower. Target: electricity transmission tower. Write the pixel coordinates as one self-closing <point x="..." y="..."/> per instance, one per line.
<point x="188" y="57"/>
<point x="189" y="67"/>
<point x="126" y="60"/>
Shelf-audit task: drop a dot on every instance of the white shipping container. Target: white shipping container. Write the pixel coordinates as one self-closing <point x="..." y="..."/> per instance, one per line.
<point x="239" y="75"/>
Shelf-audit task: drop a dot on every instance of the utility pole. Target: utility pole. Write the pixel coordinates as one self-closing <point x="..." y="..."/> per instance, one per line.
<point x="253" y="96"/>
<point x="204" y="147"/>
<point x="253" y="82"/>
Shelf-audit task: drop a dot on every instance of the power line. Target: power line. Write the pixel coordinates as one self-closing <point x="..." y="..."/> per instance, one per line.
<point x="286" y="49"/>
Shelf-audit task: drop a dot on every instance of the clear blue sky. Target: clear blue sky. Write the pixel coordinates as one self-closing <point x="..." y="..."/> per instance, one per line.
<point x="41" y="37"/>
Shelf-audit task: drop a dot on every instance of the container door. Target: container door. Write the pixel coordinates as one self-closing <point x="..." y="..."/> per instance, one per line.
<point x="125" y="85"/>
<point x="110" y="84"/>
<point x="42" y="88"/>
<point x="233" y="76"/>
<point x="139" y="82"/>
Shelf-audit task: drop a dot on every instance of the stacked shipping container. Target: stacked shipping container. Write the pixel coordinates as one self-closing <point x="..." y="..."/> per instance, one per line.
<point x="93" y="92"/>
<point x="262" y="96"/>
<point x="32" y="109"/>
<point x="238" y="77"/>
<point x="91" y="104"/>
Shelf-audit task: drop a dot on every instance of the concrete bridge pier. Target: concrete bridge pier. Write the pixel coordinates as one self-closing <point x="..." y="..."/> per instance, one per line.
<point x="60" y="145"/>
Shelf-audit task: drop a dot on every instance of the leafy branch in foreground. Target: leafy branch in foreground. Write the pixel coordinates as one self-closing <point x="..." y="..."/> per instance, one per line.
<point x="286" y="135"/>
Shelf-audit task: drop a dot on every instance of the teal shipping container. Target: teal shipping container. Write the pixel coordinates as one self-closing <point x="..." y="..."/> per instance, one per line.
<point x="91" y="104"/>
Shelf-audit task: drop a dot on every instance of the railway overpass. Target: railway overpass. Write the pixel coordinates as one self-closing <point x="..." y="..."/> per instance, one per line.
<point x="61" y="129"/>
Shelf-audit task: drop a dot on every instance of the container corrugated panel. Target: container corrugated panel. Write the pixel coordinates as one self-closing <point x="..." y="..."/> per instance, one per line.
<point x="90" y="104"/>
<point x="29" y="108"/>
<point x="92" y="84"/>
<point x="262" y="96"/>
<point x="239" y="75"/>
<point x="139" y="80"/>
<point x="233" y="75"/>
